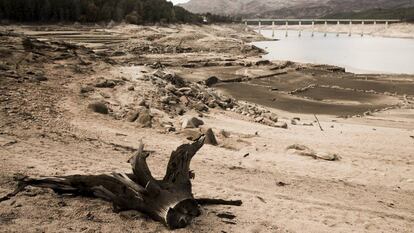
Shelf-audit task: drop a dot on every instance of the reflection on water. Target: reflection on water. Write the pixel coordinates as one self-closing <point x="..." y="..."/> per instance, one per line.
<point x="357" y="54"/>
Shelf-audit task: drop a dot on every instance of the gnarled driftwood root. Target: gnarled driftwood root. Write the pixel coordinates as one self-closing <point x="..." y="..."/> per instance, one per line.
<point x="169" y="200"/>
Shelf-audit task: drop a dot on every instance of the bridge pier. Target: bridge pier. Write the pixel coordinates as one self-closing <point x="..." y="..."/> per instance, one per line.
<point x="273" y="29"/>
<point x="362" y="32"/>
<point x="338" y="24"/>
<point x="326" y="28"/>
<point x="350" y="28"/>
<point x="245" y="26"/>
<point x="386" y="24"/>
<point x="300" y="28"/>
<point x="313" y="28"/>
<point x="260" y="27"/>
<point x="287" y="24"/>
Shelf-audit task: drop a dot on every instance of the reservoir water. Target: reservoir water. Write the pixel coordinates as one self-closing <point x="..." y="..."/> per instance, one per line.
<point x="358" y="54"/>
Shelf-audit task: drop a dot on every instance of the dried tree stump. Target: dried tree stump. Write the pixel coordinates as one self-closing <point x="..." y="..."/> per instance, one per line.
<point x="169" y="200"/>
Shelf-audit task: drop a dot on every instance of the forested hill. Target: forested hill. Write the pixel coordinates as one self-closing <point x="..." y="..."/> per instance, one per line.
<point x="405" y="14"/>
<point x="132" y="11"/>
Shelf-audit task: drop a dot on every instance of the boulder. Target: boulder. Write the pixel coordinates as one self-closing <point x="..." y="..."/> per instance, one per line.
<point x="211" y="81"/>
<point x="86" y="89"/>
<point x="210" y="138"/>
<point x="200" y="107"/>
<point x="282" y="125"/>
<point x="105" y="84"/>
<point x="99" y="107"/>
<point x="145" y="119"/>
<point x="262" y="62"/>
<point x="133" y="115"/>
<point x="193" y="122"/>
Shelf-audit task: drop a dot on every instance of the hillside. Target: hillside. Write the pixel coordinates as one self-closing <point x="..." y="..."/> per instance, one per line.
<point x="397" y="13"/>
<point x="239" y="7"/>
<point x="90" y="11"/>
<point x="290" y="9"/>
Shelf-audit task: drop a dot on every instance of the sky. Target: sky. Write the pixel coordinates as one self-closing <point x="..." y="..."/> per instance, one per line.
<point x="178" y="1"/>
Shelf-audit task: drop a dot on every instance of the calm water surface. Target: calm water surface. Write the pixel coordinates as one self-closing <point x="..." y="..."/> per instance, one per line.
<point x="357" y="54"/>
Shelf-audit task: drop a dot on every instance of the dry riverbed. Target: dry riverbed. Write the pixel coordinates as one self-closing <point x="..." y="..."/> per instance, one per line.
<point x="350" y="168"/>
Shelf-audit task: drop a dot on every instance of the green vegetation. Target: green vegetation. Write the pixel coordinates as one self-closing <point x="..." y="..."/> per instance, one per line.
<point x="405" y="14"/>
<point x="213" y="18"/>
<point x="132" y="11"/>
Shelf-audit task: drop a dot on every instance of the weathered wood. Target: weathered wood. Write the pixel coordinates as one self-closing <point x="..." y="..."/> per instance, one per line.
<point x="169" y="200"/>
<point x="211" y="201"/>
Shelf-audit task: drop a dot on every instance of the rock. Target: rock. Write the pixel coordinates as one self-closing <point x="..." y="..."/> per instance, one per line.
<point x="170" y="77"/>
<point x="210" y="138"/>
<point x="145" y="119"/>
<point x="258" y="119"/>
<point x="192" y="135"/>
<point x="189" y="65"/>
<point x="184" y="100"/>
<point x="105" y="84"/>
<point x="86" y="89"/>
<point x="211" y="81"/>
<point x="200" y="107"/>
<point x="131" y="88"/>
<point x="40" y="78"/>
<point x="193" y="122"/>
<point x="99" y="107"/>
<point x="165" y="99"/>
<point x="105" y="95"/>
<point x="185" y="90"/>
<point x="282" y="125"/>
<point x="273" y="117"/>
<point x="180" y="110"/>
<point x="212" y="104"/>
<point x="157" y="65"/>
<point x="225" y="133"/>
<point x="170" y="88"/>
<point x="133" y="115"/>
<point x="143" y="103"/>
<point x="262" y="62"/>
<point x="328" y="156"/>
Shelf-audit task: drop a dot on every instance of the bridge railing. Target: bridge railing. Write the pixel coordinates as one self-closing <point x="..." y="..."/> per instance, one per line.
<point x="322" y="20"/>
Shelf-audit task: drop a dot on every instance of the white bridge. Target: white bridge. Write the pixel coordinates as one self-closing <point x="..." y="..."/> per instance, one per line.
<point x="273" y="22"/>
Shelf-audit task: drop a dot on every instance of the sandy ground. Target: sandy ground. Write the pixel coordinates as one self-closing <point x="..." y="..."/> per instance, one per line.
<point x="47" y="129"/>
<point x="398" y="30"/>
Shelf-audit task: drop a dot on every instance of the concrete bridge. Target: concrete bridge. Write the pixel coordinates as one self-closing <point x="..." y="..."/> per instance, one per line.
<point x="300" y="22"/>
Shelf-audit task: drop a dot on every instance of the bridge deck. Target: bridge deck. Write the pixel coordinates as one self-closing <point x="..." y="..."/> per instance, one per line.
<point x="322" y="20"/>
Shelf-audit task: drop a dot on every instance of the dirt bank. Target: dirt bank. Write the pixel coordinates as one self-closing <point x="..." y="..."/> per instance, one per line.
<point x="354" y="176"/>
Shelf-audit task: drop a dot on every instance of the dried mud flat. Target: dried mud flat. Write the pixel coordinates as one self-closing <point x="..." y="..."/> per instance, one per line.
<point x="288" y="179"/>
